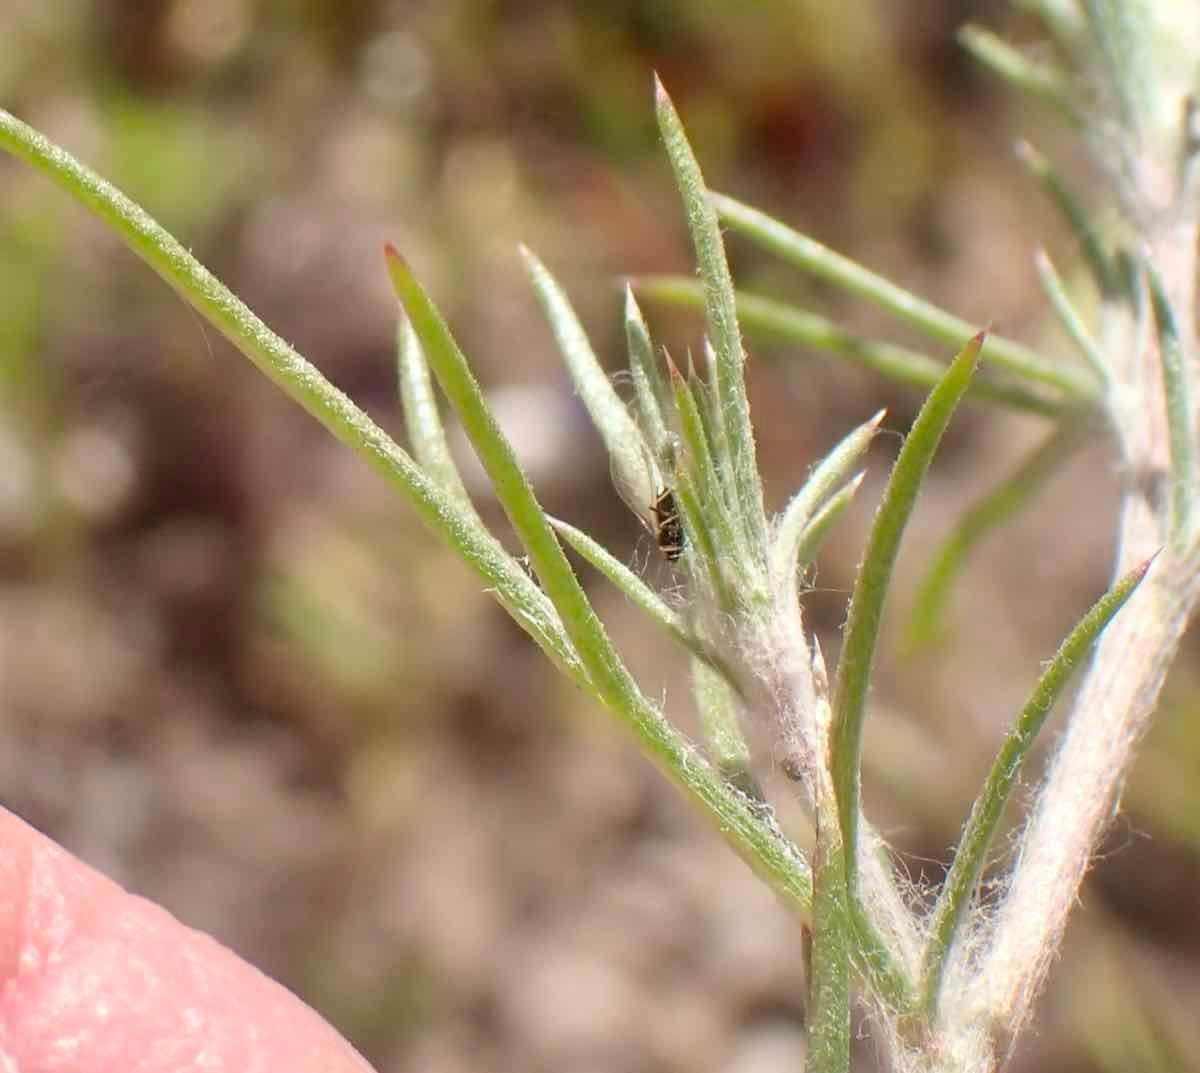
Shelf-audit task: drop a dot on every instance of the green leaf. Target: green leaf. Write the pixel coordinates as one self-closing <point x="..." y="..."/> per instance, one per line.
<point x="810" y="329"/>
<point x="1063" y="18"/>
<point x="513" y="491"/>
<point x="719" y="513"/>
<point x="980" y="829"/>
<point x="1045" y="83"/>
<point x="1123" y="30"/>
<point x="705" y="564"/>
<point x="720" y="316"/>
<point x="1077" y="217"/>
<point x="870" y="589"/>
<point x="632" y="586"/>
<point x="810" y="256"/>
<point x="714" y="421"/>
<point x="299" y="379"/>
<point x="421" y="418"/>
<point x="756" y="840"/>
<point x="649" y="388"/>
<point x="798" y="516"/>
<point x="1177" y="373"/>
<point x="632" y="460"/>
<point x="1003" y="502"/>
<point x="1068" y="315"/>
<point x="812" y="536"/>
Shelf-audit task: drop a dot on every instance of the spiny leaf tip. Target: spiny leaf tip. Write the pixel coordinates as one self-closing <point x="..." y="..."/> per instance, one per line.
<point x="672" y="368"/>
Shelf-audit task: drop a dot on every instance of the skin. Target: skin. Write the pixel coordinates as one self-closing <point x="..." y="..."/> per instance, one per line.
<point x="96" y="980"/>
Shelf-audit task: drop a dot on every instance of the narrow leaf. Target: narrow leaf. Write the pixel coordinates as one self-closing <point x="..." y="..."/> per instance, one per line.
<point x="1002" y="503"/>
<point x="1177" y="373"/>
<point x="969" y="858"/>
<point x="1124" y="31"/>
<point x="812" y="536"/>
<point x="1048" y="84"/>
<point x="512" y="488"/>
<point x="822" y="483"/>
<point x="631" y="458"/>
<point x="809" y="255"/>
<point x="1068" y="315"/>
<point x="796" y="325"/>
<point x="714" y="414"/>
<point x="1077" y="218"/>
<point x="631" y="585"/>
<point x="870" y="589"/>
<point x="717" y="511"/>
<point x="756" y="839"/>
<point x="441" y="511"/>
<point x="703" y="561"/>
<point x="1062" y="17"/>
<point x="421" y="418"/>
<point x="720" y="315"/>
<point x="649" y="388"/>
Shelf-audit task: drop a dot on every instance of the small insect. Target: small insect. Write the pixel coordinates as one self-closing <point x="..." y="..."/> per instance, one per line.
<point x="668" y="529"/>
<point x="660" y="517"/>
<point x="526" y="564"/>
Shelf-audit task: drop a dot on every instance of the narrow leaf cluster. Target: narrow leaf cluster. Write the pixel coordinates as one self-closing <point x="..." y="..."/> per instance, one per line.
<point x="950" y="986"/>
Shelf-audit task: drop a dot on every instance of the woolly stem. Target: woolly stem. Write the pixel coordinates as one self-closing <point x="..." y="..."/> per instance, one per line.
<point x="1119" y="693"/>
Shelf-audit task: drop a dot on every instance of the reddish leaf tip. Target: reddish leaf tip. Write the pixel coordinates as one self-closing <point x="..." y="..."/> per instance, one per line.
<point x="672" y="368"/>
<point x="1144" y="568"/>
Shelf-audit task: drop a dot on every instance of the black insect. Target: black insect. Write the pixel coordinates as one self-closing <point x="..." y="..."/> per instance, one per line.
<point x="668" y="529"/>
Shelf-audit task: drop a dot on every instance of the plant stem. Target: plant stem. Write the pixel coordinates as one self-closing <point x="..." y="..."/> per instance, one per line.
<point x="1120" y="691"/>
<point x="970" y="855"/>
<point x="1076" y="806"/>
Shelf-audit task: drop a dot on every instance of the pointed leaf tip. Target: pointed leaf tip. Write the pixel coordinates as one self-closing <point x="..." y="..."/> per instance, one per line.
<point x="973" y="350"/>
<point x="672" y="368"/>
<point x="398" y="268"/>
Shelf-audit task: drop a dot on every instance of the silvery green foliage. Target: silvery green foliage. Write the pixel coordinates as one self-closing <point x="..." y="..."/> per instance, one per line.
<point x="950" y="991"/>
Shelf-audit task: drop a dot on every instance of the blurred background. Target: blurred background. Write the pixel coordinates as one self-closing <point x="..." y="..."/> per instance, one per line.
<point x="238" y="676"/>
